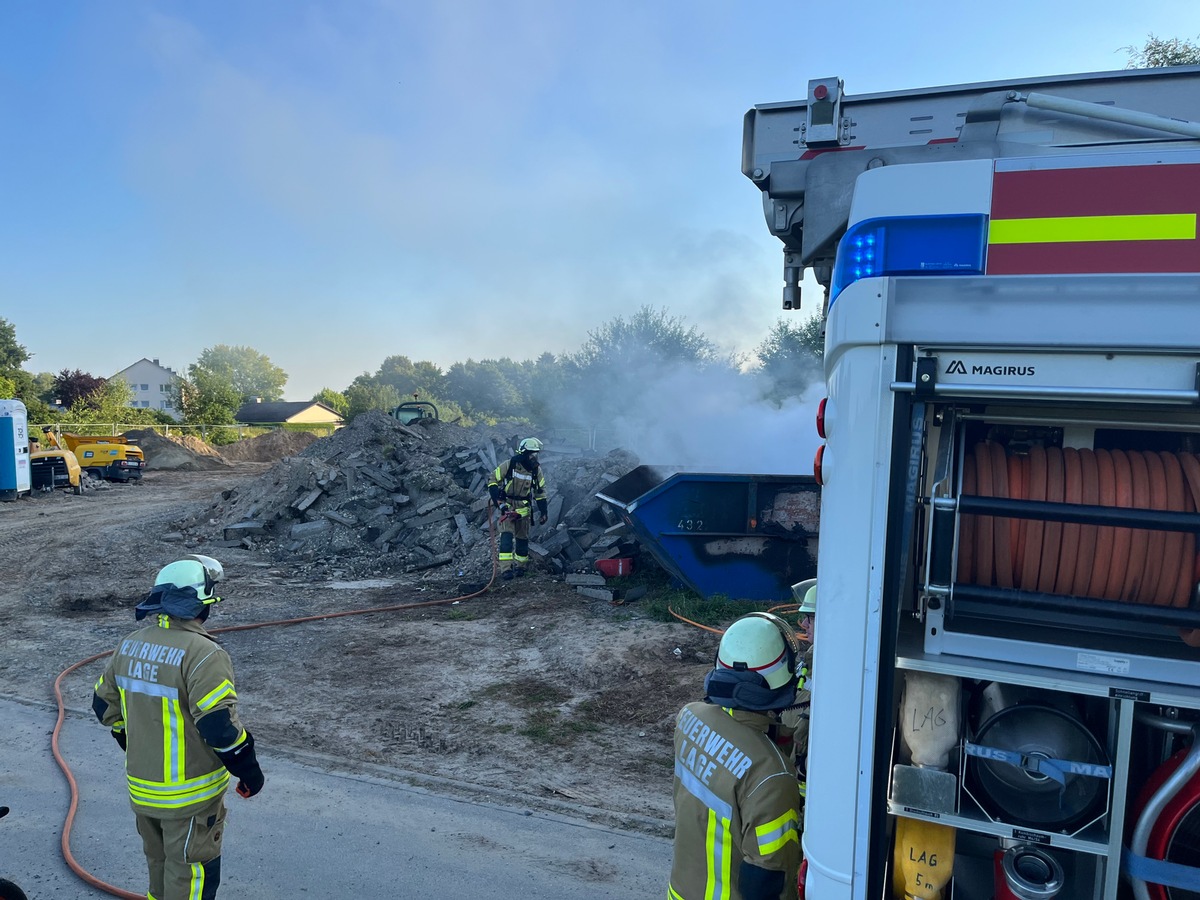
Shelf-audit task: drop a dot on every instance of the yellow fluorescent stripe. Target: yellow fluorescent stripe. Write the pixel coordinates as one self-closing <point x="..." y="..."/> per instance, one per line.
<point x="1063" y="229"/>
<point x="217" y="694"/>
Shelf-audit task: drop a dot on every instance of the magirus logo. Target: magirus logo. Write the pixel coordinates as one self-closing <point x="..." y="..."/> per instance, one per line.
<point x="958" y="367"/>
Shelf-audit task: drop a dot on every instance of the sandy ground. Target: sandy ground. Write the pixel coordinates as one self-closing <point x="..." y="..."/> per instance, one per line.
<point x="528" y="691"/>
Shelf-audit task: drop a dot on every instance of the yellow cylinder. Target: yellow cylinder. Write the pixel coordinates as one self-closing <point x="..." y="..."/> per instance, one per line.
<point x="923" y="859"/>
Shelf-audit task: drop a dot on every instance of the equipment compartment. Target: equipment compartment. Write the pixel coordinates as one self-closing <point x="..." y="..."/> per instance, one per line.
<point x="1068" y="543"/>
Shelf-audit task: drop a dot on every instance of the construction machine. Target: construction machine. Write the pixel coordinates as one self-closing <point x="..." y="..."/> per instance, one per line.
<point x="414" y="410"/>
<point x="52" y="466"/>
<point x="1006" y="684"/>
<point x="112" y="458"/>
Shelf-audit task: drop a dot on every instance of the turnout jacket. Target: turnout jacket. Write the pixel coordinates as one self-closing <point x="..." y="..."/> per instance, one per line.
<point x="161" y="680"/>
<point x="519" y="486"/>
<point x="736" y="800"/>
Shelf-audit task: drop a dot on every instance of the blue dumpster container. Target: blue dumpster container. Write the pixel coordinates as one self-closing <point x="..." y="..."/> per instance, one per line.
<point x="746" y="537"/>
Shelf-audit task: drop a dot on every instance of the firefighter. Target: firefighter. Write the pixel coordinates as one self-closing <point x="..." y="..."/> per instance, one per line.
<point x="516" y="485"/>
<point x="167" y="693"/>
<point x="795" y="720"/>
<point x="737" y="800"/>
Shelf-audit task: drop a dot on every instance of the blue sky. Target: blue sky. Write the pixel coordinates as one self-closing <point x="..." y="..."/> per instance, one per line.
<point x="332" y="183"/>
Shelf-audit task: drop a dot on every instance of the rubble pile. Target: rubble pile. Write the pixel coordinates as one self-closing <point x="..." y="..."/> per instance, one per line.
<point x="378" y="496"/>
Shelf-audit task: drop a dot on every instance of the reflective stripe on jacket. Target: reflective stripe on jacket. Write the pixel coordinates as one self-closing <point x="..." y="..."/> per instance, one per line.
<point x="158" y="683"/>
<point x="522" y="487"/>
<point x="736" y="800"/>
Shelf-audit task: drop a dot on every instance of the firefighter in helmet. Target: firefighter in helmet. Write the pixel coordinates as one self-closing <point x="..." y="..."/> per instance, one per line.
<point x="737" y="801"/>
<point x="795" y="720"/>
<point x="517" y="485"/>
<point x="168" y="695"/>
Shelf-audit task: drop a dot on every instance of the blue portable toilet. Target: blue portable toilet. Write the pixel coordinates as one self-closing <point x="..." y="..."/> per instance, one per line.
<point x="14" y="450"/>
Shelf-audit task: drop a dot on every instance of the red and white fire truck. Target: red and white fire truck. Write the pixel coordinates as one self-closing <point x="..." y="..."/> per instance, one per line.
<point x="1006" y="691"/>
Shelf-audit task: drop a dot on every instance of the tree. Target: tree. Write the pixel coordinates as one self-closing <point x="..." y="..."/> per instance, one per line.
<point x="407" y="377"/>
<point x="1160" y="52"/>
<point x="206" y="398"/>
<point x="249" y="372"/>
<point x="12" y="354"/>
<point x="650" y="334"/>
<point x="71" y="387"/>
<point x="485" y="389"/>
<point x="364" y="396"/>
<point x="334" y="400"/>
<point x="109" y="403"/>
<point x="790" y="357"/>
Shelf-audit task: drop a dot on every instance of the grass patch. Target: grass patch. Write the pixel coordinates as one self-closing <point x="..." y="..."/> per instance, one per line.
<point x="462" y="615"/>
<point x="547" y="726"/>
<point x="526" y="692"/>
<point x="662" y="597"/>
<point x="716" y="611"/>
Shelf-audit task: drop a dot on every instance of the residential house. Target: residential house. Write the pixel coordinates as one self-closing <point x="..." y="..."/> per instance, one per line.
<point x="281" y="412"/>
<point x="153" y="386"/>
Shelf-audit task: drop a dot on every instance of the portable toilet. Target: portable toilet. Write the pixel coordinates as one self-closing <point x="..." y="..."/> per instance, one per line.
<point x="14" y="450"/>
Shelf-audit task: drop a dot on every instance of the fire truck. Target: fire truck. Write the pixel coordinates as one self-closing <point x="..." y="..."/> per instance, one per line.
<point x="1006" y="682"/>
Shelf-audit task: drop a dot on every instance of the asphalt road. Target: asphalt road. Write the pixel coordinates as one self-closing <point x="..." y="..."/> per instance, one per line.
<point x="309" y="833"/>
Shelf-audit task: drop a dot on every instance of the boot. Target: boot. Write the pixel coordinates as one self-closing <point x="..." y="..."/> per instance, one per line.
<point x="519" y="571"/>
<point x="506" y="575"/>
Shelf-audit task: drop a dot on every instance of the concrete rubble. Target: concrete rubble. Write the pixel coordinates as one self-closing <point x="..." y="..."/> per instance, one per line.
<point x="380" y="497"/>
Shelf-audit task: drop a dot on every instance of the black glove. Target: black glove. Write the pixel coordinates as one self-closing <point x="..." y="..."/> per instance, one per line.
<point x="242" y="764"/>
<point x="543" y="519"/>
<point x="497" y="494"/>
<point x="119" y="737"/>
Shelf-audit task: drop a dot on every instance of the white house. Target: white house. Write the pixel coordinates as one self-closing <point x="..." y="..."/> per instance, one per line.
<point x="153" y="386"/>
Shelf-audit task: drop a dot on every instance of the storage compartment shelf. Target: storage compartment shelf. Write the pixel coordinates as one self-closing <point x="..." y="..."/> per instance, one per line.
<point x="1094" y="841"/>
<point x="911" y="655"/>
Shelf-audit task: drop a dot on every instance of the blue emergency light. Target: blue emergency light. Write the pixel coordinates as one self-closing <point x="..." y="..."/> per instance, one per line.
<point x="923" y="245"/>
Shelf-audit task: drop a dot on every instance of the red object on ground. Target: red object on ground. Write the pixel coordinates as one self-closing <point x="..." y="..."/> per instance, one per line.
<point x="610" y="568"/>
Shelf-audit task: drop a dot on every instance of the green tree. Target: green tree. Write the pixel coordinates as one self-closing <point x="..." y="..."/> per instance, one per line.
<point x="1161" y="52"/>
<point x="335" y="400"/>
<point x="206" y="398"/>
<point x="485" y="389"/>
<point x="789" y="357"/>
<point x="12" y="354"/>
<point x="364" y="396"/>
<point x="649" y="335"/>
<point x="423" y="378"/>
<point x="109" y="404"/>
<point x="623" y="359"/>
<point x="249" y="372"/>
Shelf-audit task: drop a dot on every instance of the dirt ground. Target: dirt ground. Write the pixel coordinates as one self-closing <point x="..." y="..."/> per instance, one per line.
<point x="529" y="690"/>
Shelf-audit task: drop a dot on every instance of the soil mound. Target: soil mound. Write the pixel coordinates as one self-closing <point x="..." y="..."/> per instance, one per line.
<point x="184" y="453"/>
<point x="268" y="447"/>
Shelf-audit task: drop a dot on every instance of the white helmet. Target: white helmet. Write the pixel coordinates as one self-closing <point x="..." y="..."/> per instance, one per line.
<point x="808" y="605"/>
<point x="756" y="665"/>
<point x="530" y="445"/>
<point x="196" y="571"/>
<point x="184" y="588"/>
<point x="805" y="593"/>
